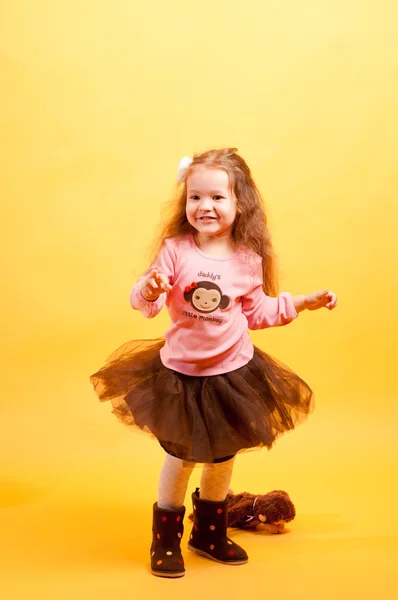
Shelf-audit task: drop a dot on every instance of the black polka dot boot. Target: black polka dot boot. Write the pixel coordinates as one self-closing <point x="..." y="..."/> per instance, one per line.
<point x="209" y="533"/>
<point x="167" y="530"/>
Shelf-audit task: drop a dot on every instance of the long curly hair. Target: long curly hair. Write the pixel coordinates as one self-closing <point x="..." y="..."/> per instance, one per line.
<point x="250" y="229"/>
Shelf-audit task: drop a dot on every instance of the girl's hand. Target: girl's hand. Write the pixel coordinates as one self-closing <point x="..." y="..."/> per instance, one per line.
<point x="155" y="284"/>
<point x="320" y="299"/>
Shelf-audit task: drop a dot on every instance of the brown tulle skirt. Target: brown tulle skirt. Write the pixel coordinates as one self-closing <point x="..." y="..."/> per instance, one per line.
<point x="203" y="419"/>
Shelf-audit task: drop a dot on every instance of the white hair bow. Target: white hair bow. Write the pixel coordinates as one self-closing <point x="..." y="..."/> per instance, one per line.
<point x="183" y="166"/>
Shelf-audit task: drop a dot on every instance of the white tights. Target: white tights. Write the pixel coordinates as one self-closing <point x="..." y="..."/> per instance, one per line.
<point x="174" y="478"/>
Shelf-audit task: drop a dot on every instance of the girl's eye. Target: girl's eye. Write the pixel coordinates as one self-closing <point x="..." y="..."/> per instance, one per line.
<point x="194" y="197"/>
<point x="217" y="197"/>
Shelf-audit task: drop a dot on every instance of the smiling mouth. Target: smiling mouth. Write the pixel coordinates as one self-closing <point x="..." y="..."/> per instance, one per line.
<point x="207" y="218"/>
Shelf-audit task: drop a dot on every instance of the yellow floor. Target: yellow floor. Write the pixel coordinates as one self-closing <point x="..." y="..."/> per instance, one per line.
<point x="76" y="505"/>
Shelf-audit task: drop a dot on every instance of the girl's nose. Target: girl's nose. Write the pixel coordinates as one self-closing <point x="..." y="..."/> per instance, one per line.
<point x="206" y="204"/>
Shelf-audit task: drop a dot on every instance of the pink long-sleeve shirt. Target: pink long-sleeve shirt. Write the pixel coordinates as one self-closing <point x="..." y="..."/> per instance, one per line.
<point x="212" y="304"/>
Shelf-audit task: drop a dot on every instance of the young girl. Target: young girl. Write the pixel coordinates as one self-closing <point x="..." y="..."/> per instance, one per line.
<point x="204" y="392"/>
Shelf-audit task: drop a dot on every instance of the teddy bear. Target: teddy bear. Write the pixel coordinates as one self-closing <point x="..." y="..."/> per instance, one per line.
<point x="248" y="511"/>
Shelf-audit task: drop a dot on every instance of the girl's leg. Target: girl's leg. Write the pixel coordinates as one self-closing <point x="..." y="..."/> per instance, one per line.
<point x="215" y="480"/>
<point x="173" y="482"/>
<point x="168" y="518"/>
<point x="209" y="533"/>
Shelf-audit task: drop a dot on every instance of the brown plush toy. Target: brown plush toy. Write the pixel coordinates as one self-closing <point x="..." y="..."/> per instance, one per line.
<point x="248" y="511"/>
<point x="273" y="510"/>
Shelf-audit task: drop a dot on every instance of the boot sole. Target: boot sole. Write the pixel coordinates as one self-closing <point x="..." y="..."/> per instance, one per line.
<point x="169" y="575"/>
<point x="232" y="563"/>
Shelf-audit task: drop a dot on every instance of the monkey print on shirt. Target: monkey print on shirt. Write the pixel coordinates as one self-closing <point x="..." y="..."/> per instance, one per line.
<point x="205" y="296"/>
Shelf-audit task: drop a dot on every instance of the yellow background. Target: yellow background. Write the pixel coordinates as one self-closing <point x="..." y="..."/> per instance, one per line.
<point x="100" y="100"/>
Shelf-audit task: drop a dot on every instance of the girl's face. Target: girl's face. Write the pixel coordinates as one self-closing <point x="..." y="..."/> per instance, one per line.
<point x="211" y="204"/>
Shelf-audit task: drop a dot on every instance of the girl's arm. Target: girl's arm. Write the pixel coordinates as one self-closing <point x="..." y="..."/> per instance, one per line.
<point x="315" y="300"/>
<point x="264" y="311"/>
<point x="164" y="265"/>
